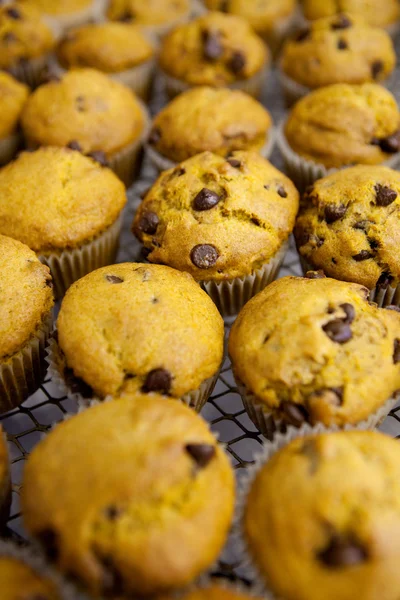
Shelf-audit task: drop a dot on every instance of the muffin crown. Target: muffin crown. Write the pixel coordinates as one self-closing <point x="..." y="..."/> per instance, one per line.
<point x="150" y="12"/>
<point x="13" y="96"/>
<point x="262" y="16"/>
<point x="379" y="13"/>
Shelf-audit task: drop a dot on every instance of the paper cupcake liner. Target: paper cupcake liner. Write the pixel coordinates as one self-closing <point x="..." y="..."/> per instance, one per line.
<point x="22" y="373"/>
<point x="139" y="79"/>
<point x="230" y="296"/>
<point x="70" y="265"/>
<point x="5" y="488"/>
<point x="162" y="163"/>
<point x="93" y="13"/>
<point x="30" y="71"/>
<point x="9" y="147"/>
<point x="304" y="172"/>
<point x="230" y="585"/>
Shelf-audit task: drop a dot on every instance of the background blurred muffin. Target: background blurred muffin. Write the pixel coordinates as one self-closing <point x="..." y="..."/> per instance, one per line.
<point x="13" y="96"/>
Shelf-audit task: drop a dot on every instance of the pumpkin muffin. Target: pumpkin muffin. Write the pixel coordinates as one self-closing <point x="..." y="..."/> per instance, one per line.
<point x="205" y="118"/>
<point x="25" y="42"/>
<point x="13" y="96"/>
<point x="215" y="49"/>
<point x="339" y="49"/>
<point x="118" y="49"/>
<point x="65" y="207"/>
<point x="90" y="112"/>
<point x="232" y="217"/>
<point x="26" y="302"/>
<point x="69" y="13"/>
<point x="5" y="480"/>
<point x="314" y="350"/>
<point x="349" y="228"/>
<point x="379" y="13"/>
<point x="158" y="16"/>
<point x="338" y="126"/>
<point x="322" y="518"/>
<point x="120" y="534"/>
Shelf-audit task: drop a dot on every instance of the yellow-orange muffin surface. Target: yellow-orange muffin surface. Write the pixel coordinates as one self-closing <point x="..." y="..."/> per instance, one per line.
<point x="13" y="96"/>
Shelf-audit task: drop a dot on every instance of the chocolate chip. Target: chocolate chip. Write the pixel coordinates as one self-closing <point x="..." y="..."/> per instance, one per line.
<point x="338" y="331"/>
<point x="384" y="280"/>
<point x="315" y="274"/>
<point x="100" y="157"/>
<point x="334" y="212"/>
<point x="391" y="143"/>
<point x="282" y="192"/>
<point x="212" y="47"/>
<point x="224" y="6"/>
<point x="237" y="62"/>
<point x="80" y="103"/>
<point x="204" y="256"/>
<point x="114" y="279"/>
<point x="77" y="385"/>
<point x="158" y="380"/>
<point x="148" y="222"/>
<point x="155" y="135"/>
<point x="179" y="171"/>
<point x="48" y="538"/>
<point x="293" y="414"/>
<point x="205" y="199"/>
<point x="361" y="225"/>
<point x="342" y="22"/>
<point x="384" y="195"/>
<point x="342" y="552"/>
<point x="376" y="68"/>
<point x="349" y="312"/>
<point x="74" y="145"/>
<point x="302" y="35"/>
<point x="112" y="512"/>
<point x="392" y="307"/>
<point x="14" y="13"/>
<point x="201" y="453"/>
<point x="234" y="162"/>
<point x="126" y="16"/>
<point x="396" y="351"/>
<point x="342" y="44"/>
<point x="363" y="255"/>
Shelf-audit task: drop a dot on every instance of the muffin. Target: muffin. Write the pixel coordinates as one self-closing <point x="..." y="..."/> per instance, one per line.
<point x="158" y="16"/>
<point x="215" y="589"/>
<point x="314" y="351"/>
<point x="69" y="13"/>
<point x="119" y="49"/>
<point x="322" y="517"/>
<point x="135" y="327"/>
<point x="26" y="42"/>
<point x="338" y="126"/>
<point x="64" y="206"/>
<point x="92" y="113"/>
<point x="348" y="227"/>
<point x="379" y="13"/>
<point x="26" y="302"/>
<point x="5" y="481"/>
<point x="215" y="49"/>
<point x="338" y="49"/>
<point x="13" y="96"/>
<point x="205" y="118"/>
<point x="120" y="534"/>
<point x="232" y="217"/>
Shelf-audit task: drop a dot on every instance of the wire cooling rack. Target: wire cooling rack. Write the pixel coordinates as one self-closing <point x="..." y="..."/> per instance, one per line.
<point x="26" y="425"/>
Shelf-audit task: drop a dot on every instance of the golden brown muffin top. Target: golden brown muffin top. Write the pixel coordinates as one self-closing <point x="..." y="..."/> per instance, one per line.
<point x="13" y="95"/>
<point x="230" y="215"/>
<point x="315" y="350"/>
<point x="215" y="49"/>
<point x="55" y="198"/>
<point x="206" y="118"/>
<point x="18" y="581"/>
<point x="109" y="47"/>
<point x="85" y="106"/>
<point x="26" y="296"/>
<point x="322" y="518"/>
<point x="150" y="12"/>
<point x="112" y="506"/>
<point x="23" y="34"/>
<point x="58" y="7"/>
<point x="349" y="225"/>
<point x="132" y="326"/>
<point x="262" y="16"/>
<point x="379" y="13"/>
<point x="345" y="124"/>
<point x="339" y="49"/>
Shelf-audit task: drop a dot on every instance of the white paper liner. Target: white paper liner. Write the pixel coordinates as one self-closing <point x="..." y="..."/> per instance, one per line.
<point x="281" y="30"/>
<point x="30" y="71"/>
<point x="93" y="13"/>
<point x="231" y="295"/>
<point x="70" y="265"/>
<point x="304" y="172"/>
<point x="9" y="147"/>
<point x="22" y="373"/>
<point x="162" y="163"/>
<point x="139" y="79"/>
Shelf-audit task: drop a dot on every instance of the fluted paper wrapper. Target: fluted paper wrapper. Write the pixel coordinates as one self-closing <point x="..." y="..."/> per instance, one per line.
<point x="22" y="374"/>
<point x="9" y="147"/>
<point x="70" y="265"/>
<point x="30" y="71"/>
<point x="139" y="79"/>
<point x="5" y="488"/>
<point x="207" y="580"/>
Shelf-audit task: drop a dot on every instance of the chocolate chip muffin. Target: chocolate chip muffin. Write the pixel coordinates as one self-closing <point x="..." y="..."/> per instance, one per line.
<point x="215" y="49"/>
<point x="379" y="13"/>
<point x="313" y="350"/>
<point x="26" y="302"/>
<point x="13" y="96"/>
<point x="5" y="481"/>
<point x="120" y="534"/>
<point x="338" y="49"/>
<point x="64" y="206"/>
<point x="348" y="227"/>
<point x="90" y="112"/>
<point x="119" y="49"/>
<point x="158" y="16"/>
<point x="69" y="13"/>
<point x="322" y="518"/>
<point x="139" y="327"/>
<point x="232" y="217"/>
<point x="338" y="126"/>
<point x="205" y="118"/>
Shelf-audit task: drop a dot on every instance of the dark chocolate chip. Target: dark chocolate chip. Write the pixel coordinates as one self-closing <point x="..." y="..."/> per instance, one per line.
<point x="114" y="279"/>
<point x="179" y="171"/>
<point x="282" y="192"/>
<point x="293" y="414"/>
<point x="237" y="62"/>
<point x="158" y="380"/>
<point x="341" y="22"/>
<point x="80" y="103"/>
<point x="315" y="274"/>
<point x="148" y="222"/>
<point x="349" y="312"/>
<point x="212" y="47"/>
<point x="376" y="68"/>
<point x="49" y="283"/>
<point x="391" y="143"/>
<point x="112" y="512"/>
<point x="201" y="453"/>
<point x="14" y="13"/>
<point x="48" y="538"/>
<point x="334" y="212"/>
<point x="342" y="552"/>
<point x="204" y="256"/>
<point x="361" y="225"/>
<point x="342" y="44"/>
<point x="373" y="243"/>
<point x="338" y="331"/>
<point x="224" y="6"/>
<point x="392" y="307"/>
<point x="155" y="135"/>
<point x="126" y="16"/>
<point x="363" y="255"/>
<point x="205" y="199"/>
<point x="76" y="384"/>
<point x="396" y="351"/>
<point x="384" y="195"/>
<point x="302" y="35"/>
<point x="74" y="145"/>
<point x="234" y="162"/>
<point x="100" y="157"/>
<point x="384" y="280"/>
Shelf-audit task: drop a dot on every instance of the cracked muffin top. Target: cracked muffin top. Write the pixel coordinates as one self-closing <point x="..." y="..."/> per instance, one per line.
<point x="120" y="534"/>
<point x="322" y="518"/>
<point x="56" y="198"/>
<point x="206" y="118"/>
<point x="379" y="13"/>
<point x="349" y="225"/>
<point x="215" y="49"/>
<point x="344" y="124"/>
<point x="151" y="12"/>
<point x="13" y="96"/>
<point x="231" y="215"/>
<point x="315" y="350"/>
<point x="140" y="327"/>
<point x="339" y="49"/>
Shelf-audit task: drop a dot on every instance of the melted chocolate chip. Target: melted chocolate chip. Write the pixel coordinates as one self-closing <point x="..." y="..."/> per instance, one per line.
<point x="14" y="13"/>
<point x="338" y="331"/>
<point x="342" y="552"/>
<point x="293" y="414"/>
<point x="158" y="380"/>
<point x="204" y="256"/>
<point x="114" y="279"/>
<point x="396" y="351"/>
<point x="201" y="453"/>
<point x="212" y="47"/>
<point x="363" y="255"/>
<point x="342" y="44"/>
<point x="315" y="274"/>
<point x="282" y="192"/>
<point x="234" y="162"/>
<point x="384" y="280"/>
<point x="100" y="157"/>
<point x="384" y="195"/>
<point x="155" y="135"/>
<point x="341" y="22"/>
<point x="376" y="68"/>
<point x="76" y="384"/>
<point x="112" y="512"/>
<point x="334" y="212"/>
<point x="391" y="143"/>
<point x="205" y="200"/>
<point x="179" y="171"/>
<point x="48" y="538"/>
<point x="126" y="16"/>
<point x="74" y="145"/>
<point x="392" y="307"/>
<point x="237" y="62"/>
<point x="349" y="312"/>
<point x="148" y="222"/>
<point x="302" y="35"/>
